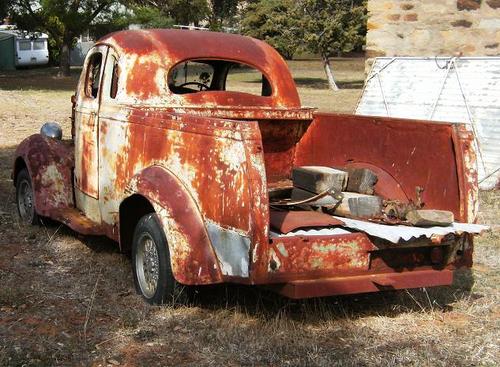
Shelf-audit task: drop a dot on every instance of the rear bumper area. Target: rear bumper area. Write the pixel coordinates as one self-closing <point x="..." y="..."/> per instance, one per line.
<point x="364" y="283"/>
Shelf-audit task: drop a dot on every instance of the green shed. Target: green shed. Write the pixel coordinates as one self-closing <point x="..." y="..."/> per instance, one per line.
<point x="7" y="51"/>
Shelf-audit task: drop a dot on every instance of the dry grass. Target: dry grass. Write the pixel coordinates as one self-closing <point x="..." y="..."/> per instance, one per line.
<point x="49" y="280"/>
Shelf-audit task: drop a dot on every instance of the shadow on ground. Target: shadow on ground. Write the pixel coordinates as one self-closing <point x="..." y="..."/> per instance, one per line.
<point x="320" y="83"/>
<point x="41" y="78"/>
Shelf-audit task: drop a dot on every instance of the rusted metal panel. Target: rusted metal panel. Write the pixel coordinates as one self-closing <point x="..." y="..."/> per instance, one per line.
<point x="192" y="256"/>
<point x="280" y="145"/>
<point x="208" y="156"/>
<point x="49" y="163"/>
<point x="403" y="155"/>
<point x="249" y="112"/>
<point x="364" y="283"/>
<point x="463" y="141"/>
<point x="316" y="257"/>
<point x="232" y="249"/>
<point x="86" y="114"/>
<point x="286" y="221"/>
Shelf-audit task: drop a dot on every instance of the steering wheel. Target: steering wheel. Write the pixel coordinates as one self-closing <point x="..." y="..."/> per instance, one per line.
<point x="198" y="84"/>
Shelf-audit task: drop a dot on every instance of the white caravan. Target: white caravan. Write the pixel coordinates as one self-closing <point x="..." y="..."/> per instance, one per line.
<point x="31" y="48"/>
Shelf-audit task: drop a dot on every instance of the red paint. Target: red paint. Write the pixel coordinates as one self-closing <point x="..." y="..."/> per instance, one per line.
<point x="171" y="47"/>
<point x="141" y="80"/>
<point x="405" y="154"/>
<point x="194" y="263"/>
<point x="364" y="284"/>
<point x="287" y="221"/>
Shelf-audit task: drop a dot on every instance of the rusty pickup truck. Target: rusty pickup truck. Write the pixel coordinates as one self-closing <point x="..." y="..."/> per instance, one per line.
<point x="172" y="158"/>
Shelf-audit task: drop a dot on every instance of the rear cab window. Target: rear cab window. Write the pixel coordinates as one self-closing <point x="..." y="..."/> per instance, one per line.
<point x="195" y="76"/>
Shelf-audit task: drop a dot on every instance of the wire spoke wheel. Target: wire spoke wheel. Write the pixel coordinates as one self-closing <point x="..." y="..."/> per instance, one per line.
<point x="147" y="263"/>
<point x="153" y="277"/>
<point x="25" y="201"/>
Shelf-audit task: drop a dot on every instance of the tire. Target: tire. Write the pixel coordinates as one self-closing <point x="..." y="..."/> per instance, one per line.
<point x="153" y="276"/>
<point x="25" y="198"/>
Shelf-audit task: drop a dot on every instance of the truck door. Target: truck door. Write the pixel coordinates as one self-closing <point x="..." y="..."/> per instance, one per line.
<point x="87" y="125"/>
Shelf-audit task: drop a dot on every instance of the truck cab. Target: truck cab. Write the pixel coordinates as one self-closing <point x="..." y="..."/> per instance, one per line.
<point x="171" y="159"/>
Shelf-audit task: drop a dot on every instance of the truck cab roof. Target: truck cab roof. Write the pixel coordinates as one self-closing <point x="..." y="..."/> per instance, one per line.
<point x="150" y="60"/>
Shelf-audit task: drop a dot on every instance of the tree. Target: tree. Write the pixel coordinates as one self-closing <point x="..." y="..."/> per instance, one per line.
<point x="332" y="27"/>
<point x="62" y="20"/>
<point x="222" y="12"/>
<point x="275" y="22"/>
<point x="4" y="9"/>
<point x="178" y="11"/>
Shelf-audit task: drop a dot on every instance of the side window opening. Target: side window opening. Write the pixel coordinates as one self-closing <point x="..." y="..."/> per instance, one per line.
<point x="114" y="78"/>
<point x="93" y="77"/>
<point x="195" y="76"/>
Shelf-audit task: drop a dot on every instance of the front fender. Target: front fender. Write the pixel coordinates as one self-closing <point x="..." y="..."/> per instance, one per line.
<point x="50" y="163"/>
<point x="192" y="256"/>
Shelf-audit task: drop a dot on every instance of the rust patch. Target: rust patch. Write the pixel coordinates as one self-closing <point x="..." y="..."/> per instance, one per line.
<point x="141" y="79"/>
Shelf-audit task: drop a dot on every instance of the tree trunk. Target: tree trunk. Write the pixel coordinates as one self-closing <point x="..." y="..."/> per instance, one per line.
<point x="64" y="69"/>
<point x="329" y="73"/>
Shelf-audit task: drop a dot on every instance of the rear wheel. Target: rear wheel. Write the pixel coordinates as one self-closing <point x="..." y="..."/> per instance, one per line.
<point x="153" y="276"/>
<point x="25" y="198"/>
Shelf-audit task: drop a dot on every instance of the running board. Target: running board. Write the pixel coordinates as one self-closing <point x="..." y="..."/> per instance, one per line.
<point x="77" y="221"/>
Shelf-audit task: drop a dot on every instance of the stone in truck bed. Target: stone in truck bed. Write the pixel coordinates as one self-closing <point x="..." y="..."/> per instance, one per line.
<point x="318" y="179"/>
<point x="352" y="205"/>
<point x="361" y="180"/>
<point x="430" y="217"/>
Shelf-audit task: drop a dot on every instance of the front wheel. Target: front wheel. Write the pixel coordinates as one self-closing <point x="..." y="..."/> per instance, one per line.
<point x="25" y="198"/>
<point x="153" y="276"/>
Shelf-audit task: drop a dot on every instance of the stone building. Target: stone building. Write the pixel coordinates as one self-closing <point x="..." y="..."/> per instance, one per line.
<point x="433" y="27"/>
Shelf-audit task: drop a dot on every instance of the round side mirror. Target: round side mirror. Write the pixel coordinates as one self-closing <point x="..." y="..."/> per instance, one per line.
<point x="51" y="130"/>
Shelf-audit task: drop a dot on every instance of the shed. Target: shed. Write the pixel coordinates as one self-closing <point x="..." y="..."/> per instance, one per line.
<point x="7" y="51"/>
<point x="461" y="90"/>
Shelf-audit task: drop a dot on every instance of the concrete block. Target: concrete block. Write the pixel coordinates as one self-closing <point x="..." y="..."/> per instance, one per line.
<point x="359" y="206"/>
<point x="361" y="180"/>
<point x="352" y="205"/>
<point x="318" y="179"/>
<point x="429" y="218"/>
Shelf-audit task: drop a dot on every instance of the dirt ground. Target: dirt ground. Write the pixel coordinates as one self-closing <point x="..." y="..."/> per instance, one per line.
<point x="68" y="300"/>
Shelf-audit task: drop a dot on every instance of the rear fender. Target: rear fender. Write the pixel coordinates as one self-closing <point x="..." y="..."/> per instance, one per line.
<point x="192" y="257"/>
<point x="50" y="164"/>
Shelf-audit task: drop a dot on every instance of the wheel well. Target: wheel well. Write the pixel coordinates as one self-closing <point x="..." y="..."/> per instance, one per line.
<point x="132" y="209"/>
<point x="18" y="166"/>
